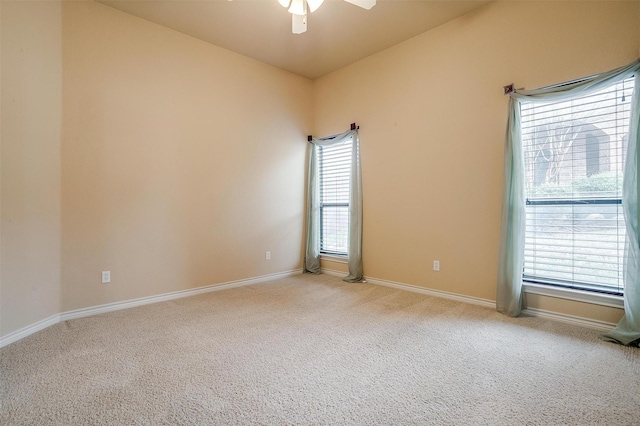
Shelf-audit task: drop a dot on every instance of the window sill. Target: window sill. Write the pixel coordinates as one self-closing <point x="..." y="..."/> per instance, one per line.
<point x="334" y="258"/>
<point x="576" y="295"/>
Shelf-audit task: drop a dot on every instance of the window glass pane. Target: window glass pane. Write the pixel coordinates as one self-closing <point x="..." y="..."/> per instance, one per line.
<point x="574" y="160"/>
<point x="579" y="243"/>
<point x="335" y="171"/>
<point x="335" y="229"/>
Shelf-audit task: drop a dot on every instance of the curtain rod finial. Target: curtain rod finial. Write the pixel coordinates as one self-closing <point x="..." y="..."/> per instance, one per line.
<point x="509" y="89"/>
<point x="309" y="138"/>
<point x="353" y="126"/>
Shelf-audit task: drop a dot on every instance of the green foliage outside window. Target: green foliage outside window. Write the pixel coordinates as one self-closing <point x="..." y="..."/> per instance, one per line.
<point x="600" y="185"/>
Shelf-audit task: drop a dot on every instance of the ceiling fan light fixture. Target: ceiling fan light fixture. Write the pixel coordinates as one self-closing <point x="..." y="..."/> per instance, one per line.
<point x="298" y="7"/>
<point x="314" y="5"/>
<point x="298" y="10"/>
<point x="365" y="4"/>
<point x="298" y="24"/>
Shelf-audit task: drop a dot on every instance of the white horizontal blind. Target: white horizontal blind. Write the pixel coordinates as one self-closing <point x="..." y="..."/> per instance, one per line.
<point x="335" y="171"/>
<point x="574" y="155"/>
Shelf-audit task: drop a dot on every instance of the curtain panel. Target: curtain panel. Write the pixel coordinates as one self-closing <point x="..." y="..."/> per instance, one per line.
<point x="511" y="255"/>
<point x="312" y="249"/>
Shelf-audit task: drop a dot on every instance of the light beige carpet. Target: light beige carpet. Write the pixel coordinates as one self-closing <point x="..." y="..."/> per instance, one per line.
<point x="315" y="350"/>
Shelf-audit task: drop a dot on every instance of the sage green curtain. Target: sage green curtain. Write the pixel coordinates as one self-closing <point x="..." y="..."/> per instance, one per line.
<point x="355" y="214"/>
<point x="511" y="256"/>
<point x="312" y="250"/>
<point x="627" y="332"/>
<point x="511" y="260"/>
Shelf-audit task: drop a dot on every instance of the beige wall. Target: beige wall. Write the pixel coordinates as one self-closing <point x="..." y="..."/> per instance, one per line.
<point x="433" y="117"/>
<point x="182" y="163"/>
<point x="31" y="102"/>
<point x="168" y="161"/>
<point x="597" y="312"/>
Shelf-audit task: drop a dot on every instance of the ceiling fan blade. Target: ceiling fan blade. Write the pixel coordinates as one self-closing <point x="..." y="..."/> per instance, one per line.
<point x="314" y="5"/>
<point x="365" y="4"/>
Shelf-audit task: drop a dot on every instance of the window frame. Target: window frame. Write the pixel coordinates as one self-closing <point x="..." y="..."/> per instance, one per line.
<point x="325" y="253"/>
<point x="601" y="294"/>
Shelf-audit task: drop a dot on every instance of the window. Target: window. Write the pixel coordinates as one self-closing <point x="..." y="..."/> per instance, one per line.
<point x="334" y="203"/>
<point x="574" y="153"/>
<point x="334" y="165"/>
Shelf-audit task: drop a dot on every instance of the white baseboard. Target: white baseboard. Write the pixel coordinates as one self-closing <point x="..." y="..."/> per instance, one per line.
<point x="116" y="306"/>
<point x="333" y="272"/>
<point x="533" y="312"/>
<point x="435" y="293"/>
<point x="422" y="290"/>
<point x="29" y="330"/>
<point x="569" y="319"/>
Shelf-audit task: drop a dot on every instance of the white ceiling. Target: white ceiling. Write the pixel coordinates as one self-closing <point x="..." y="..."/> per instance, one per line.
<point x="338" y="33"/>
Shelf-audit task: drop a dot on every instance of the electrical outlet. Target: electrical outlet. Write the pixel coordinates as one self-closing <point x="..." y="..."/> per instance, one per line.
<point x="106" y="277"/>
<point x="267" y="255"/>
<point x="436" y="265"/>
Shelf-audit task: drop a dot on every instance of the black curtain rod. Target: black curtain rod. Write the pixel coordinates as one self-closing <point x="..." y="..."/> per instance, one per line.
<point x="353" y="127"/>
<point x="510" y="88"/>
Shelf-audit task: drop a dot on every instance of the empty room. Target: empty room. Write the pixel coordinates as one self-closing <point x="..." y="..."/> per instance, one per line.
<point x="314" y="212"/>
